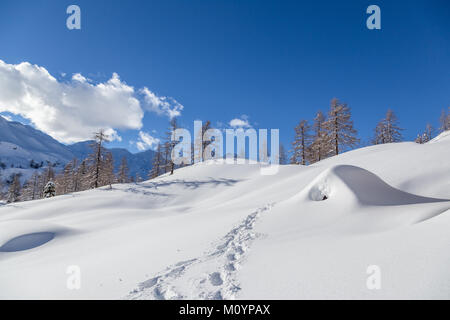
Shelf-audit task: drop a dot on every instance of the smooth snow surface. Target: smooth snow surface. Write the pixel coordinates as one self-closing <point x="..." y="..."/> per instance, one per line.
<point x="216" y="231"/>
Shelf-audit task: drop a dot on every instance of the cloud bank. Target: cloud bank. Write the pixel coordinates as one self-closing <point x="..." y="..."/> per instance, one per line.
<point x="71" y="111"/>
<point x="161" y="105"/>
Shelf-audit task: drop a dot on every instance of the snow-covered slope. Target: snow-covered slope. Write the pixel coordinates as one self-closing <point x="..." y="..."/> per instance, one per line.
<point x="225" y="231"/>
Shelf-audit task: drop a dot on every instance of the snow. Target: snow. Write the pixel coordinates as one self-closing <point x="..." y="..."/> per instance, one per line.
<point x="220" y="231"/>
<point x="444" y="136"/>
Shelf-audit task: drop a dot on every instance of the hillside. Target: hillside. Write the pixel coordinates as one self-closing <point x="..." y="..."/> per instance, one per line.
<point x="216" y="231"/>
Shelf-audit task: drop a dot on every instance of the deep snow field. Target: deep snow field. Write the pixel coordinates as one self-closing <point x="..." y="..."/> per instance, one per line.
<point x="220" y="231"/>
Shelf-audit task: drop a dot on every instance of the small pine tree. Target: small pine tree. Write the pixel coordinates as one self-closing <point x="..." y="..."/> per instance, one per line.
<point x="301" y="144"/>
<point x="340" y="127"/>
<point x="50" y="189"/>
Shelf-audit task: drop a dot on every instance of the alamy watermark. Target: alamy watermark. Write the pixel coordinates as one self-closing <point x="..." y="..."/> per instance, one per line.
<point x="73" y="281"/>
<point x="374" y="20"/>
<point x="373" y="281"/>
<point x="250" y="146"/>
<point x="74" y="20"/>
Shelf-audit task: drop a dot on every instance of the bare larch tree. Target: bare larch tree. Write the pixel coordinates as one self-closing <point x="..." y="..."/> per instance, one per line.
<point x="340" y="127"/>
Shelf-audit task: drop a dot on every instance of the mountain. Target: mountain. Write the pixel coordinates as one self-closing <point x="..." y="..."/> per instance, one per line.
<point x="19" y="144"/>
<point x="23" y="149"/>
<point x="138" y="163"/>
<point x="332" y="230"/>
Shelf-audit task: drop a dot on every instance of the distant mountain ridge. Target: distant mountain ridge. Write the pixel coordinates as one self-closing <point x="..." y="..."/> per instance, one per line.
<point x="24" y="148"/>
<point x="138" y="163"/>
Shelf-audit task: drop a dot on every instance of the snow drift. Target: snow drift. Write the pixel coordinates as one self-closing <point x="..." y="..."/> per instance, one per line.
<point x="362" y="186"/>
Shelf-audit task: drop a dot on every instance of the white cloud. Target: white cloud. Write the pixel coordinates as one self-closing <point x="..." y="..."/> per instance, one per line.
<point x="78" y="77"/>
<point x="146" y="141"/>
<point x="70" y="111"/>
<point x="113" y="135"/>
<point x="161" y="105"/>
<point x="240" y="122"/>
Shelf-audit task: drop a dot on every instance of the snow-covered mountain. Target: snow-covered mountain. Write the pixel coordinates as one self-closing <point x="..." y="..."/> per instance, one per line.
<point x="372" y="223"/>
<point x="24" y="149"/>
<point x="19" y="144"/>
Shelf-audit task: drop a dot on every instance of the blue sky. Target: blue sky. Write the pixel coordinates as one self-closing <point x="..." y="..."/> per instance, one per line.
<point x="272" y="62"/>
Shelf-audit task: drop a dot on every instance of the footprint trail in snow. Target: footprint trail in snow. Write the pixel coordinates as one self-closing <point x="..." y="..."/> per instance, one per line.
<point x="211" y="276"/>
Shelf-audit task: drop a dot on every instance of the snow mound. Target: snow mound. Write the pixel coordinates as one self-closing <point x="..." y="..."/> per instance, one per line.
<point x="351" y="183"/>
<point x="443" y="137"/>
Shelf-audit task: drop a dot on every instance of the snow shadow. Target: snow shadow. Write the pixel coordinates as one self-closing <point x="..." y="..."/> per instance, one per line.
<point x="27" y="241"/>
<point x="190" y="184"/>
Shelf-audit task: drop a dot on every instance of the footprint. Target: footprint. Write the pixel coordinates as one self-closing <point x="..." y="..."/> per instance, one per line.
<point x="217" y="285"/>
<point x="217" y="296"/>
<point x="232" y="257"/>
<point x="240" y="249"/>
<point x="216" y="279"/>
<point x="148" y="283"/>
<point x="230" y="267"/>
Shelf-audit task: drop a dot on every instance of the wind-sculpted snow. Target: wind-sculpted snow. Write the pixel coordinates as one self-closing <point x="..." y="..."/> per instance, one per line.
<point x="197" y="234"/>
<point x="353" y="183"/>
<point x="210" y="276"/>
<point x="443" y="137"/>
